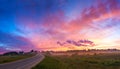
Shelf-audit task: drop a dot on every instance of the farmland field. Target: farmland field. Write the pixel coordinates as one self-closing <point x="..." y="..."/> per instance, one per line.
<point x="96" y="61"/>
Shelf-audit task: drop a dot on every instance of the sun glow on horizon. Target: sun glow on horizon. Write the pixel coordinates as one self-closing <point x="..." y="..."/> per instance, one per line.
<point x="59" y="25"/>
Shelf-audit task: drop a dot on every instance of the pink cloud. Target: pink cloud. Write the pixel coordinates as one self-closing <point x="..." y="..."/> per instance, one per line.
<point x="55" y="26"/>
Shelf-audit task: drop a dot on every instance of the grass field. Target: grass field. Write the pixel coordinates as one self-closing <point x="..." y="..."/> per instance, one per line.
<point x="101" y="61"/>
<point x="5" y="59"/>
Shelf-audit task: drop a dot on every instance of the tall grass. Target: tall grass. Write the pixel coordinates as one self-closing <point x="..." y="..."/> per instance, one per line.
<point x="107" y="61"/>
<point x="51" y="63"/>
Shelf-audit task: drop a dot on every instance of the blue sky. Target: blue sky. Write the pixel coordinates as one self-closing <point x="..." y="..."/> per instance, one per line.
<point x="39" y="24"/>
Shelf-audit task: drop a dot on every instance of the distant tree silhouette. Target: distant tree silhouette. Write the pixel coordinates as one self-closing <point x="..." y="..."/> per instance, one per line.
<point x="21" y="52"/>
<point x="11" y="53"/>
<point x="32" y="51"/>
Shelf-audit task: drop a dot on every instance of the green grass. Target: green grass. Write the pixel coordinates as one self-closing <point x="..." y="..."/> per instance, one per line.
<point x="107" y="61"/>
<point x="6" y="59"/>
<point x="51" y="63"/>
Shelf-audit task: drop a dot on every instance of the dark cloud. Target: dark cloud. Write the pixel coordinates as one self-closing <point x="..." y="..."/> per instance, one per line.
<point x="61" y="44"/>
<point x="77" y="43"/>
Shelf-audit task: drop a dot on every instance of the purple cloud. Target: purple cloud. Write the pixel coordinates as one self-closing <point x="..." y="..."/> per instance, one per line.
<point x="77" y="43"/>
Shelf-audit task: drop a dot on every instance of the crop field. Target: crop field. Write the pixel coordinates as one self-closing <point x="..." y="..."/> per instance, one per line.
<point x="97" y="61"/>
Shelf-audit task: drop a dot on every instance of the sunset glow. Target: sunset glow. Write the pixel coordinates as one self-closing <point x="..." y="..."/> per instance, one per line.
<point x="59" y="25"/>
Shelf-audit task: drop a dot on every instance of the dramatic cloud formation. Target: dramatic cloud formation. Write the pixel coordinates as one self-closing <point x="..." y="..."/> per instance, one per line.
<point x="39" y="24"/>
<point x="78" y="43"/>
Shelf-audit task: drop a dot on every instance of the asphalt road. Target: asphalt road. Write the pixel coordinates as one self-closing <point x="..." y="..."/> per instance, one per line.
<point x="23" y="64"/>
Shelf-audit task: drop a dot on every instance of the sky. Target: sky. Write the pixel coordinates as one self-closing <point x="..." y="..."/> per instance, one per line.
<point x="59" y="25"/>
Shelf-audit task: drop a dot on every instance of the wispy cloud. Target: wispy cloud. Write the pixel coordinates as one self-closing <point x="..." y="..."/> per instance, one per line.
<point x="14" y="41"/>
<point x="55" y="26"/>
<point x="43" y="23"/>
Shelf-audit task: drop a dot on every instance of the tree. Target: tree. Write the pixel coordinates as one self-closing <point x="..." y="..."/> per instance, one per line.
<point x="10" y="53"/>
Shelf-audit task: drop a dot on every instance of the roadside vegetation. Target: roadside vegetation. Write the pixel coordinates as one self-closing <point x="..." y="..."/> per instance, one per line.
<point x="14" y="56"/>
<point x="51" y="63"/>
<point x="100" y="61"/>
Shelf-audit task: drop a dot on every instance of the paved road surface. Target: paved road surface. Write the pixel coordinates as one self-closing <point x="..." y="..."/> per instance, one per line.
<point x="23" y="64"/>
